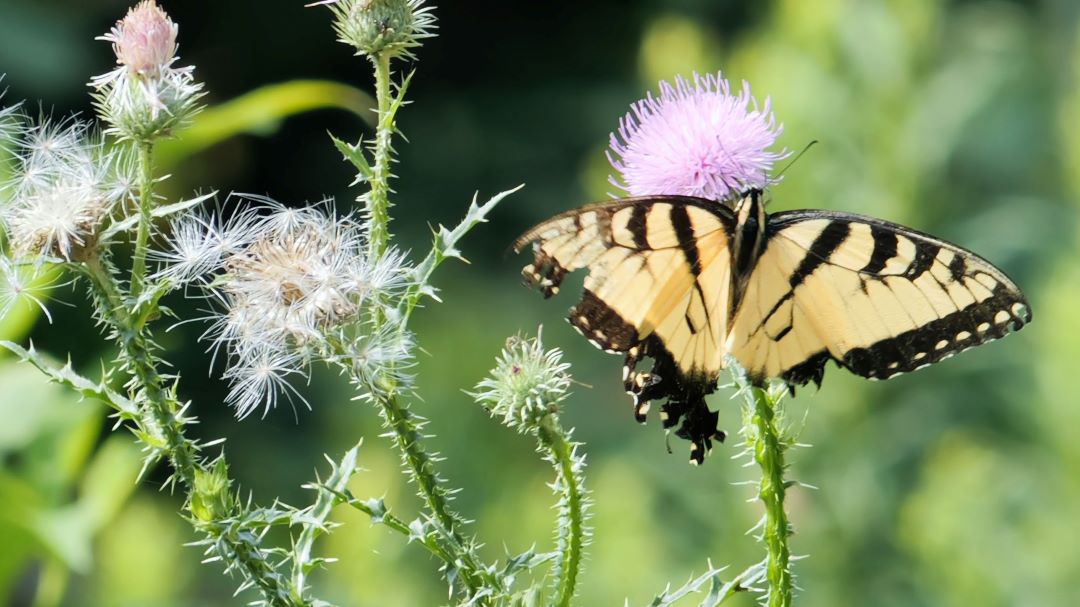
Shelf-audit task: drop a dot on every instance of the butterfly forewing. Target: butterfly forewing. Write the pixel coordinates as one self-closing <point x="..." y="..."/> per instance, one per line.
<point x="659" y="268"/>
<point x="878" y="298"/>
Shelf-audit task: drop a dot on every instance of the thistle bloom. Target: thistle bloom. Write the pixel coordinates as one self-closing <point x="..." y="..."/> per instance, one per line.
<point x="695" y="139"/>
<point x="145" y="40"/>
<point x="145" y="97"/>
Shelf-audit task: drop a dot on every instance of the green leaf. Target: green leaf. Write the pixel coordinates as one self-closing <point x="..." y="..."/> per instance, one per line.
<point x="260" y="110"/>
<point x="165" y="210"/>
<point x="355" y="155"/>
<point x="446" y="240"/>
<point x="67" y="376"/>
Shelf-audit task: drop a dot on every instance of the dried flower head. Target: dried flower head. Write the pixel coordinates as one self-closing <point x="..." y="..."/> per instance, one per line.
<point x="372" y="27"/>
<point x="292" y="285"/>
<point x="64" y="187"/>
<point x="145" y="97"/>
<point x="527" y="383"/>
<point x="145" y="40"/>
<point x="696" y="139"/>
<point x="196" y="245"/>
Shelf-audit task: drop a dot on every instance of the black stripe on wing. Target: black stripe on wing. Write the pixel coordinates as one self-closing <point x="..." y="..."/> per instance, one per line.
<point x="685" y="394"/>
<point x="1004" y="311"/>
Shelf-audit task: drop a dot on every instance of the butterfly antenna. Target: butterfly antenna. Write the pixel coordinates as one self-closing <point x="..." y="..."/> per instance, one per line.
<point x="792" y="161"/>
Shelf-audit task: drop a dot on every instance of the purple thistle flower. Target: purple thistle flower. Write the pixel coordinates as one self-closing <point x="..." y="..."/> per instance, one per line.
<point x="696" y="139"/>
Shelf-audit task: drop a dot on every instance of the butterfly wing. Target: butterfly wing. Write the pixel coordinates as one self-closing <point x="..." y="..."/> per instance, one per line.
<point x="878" y="298"/>
<point x="658" y="286"/>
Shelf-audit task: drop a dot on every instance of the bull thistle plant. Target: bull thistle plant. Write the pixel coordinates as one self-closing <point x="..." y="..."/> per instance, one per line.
<point x="291" y="288"/>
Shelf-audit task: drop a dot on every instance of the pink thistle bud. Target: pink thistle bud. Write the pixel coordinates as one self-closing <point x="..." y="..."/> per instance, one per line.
<point x="145" y="40"/>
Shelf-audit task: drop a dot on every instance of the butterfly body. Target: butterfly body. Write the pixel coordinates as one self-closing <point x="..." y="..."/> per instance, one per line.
<point x="688" y="281"/>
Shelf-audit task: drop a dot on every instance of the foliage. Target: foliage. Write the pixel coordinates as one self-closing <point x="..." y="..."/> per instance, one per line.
<point x="956" y="485"/>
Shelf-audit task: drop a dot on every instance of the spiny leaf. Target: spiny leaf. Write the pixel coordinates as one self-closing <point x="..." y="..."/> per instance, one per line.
<point x="165" y="210"/>
<point x="355" y="155"/>
<point x="66" y="376"/>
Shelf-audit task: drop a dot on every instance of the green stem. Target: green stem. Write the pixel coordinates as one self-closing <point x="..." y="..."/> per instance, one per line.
<point x="397" y="417"/>
<point x="395" y="524"/>
<point x="571" y="531"/>
<point x="160" y="421"/>
<point x="52" y="584"/>
<point x="160" y="410"/>
<point x="407" y="438"/>
<point x="769" y="454"/>
<point x="378" y="203"/>
<point x="146" y="202"/>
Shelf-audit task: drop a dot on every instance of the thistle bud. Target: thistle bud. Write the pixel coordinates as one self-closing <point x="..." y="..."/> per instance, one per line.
<point x="374" y="27"/>
<point x="210" y="495"/>
<point x="145" y="40"/>
<point x="146" y="97"/>
<point x="526" y="385"/>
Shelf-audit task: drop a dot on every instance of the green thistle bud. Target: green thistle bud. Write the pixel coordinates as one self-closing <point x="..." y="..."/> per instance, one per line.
<point x="526" y="385"/>
<point x="210" y="496"/>
<point x="375" y="27"/>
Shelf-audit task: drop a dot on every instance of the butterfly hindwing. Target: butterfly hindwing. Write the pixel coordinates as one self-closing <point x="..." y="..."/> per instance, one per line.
<point x="658" y="286"/>
<point x="878" y="298"/>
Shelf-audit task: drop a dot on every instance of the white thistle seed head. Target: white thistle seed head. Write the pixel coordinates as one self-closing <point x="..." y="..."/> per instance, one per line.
<point x="261" y="378"/>
<point x="20" y="283"/>
<point x="290" y="286"/>
<point x="12" y="122"/>
<point x="196" y="245"/>
<point x="64" y="186"/>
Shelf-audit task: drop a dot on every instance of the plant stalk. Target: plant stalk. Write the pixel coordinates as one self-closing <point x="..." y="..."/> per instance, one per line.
<point x="769" y="455"/>
<point x="159" y="415"/>
<point x="146" y="202"/>
<point x="571" y="532"/>
<point x="378" y="199"/>
<point x="421" y="467"/>
<point x="159" y="409"/>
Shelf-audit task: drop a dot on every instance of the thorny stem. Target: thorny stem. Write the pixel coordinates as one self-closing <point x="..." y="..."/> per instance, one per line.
<point x="160" y="410"/>
<point x="407" y="437"/>
<point x="160" y="420"/>
<point x="572" y="516"/>
<point x="378" y="203"/>
<point x="769" y="454"/>
<point x="146" y="184"/>
<point x="397" y="416"/>
<point x="395" y="524"/>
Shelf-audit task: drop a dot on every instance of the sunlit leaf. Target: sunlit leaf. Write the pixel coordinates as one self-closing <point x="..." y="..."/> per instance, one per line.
<point x="262" y="109"/>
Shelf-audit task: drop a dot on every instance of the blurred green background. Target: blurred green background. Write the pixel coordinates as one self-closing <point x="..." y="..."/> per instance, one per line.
<point x="957" y="485"/>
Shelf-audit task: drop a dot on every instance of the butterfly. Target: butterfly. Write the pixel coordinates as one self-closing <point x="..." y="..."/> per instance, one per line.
<point x="687" y="281"/>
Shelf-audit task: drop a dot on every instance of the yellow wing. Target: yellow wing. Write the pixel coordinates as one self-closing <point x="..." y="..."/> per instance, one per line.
<point x="878" y="298"/>
<point x="659" y="286"/>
